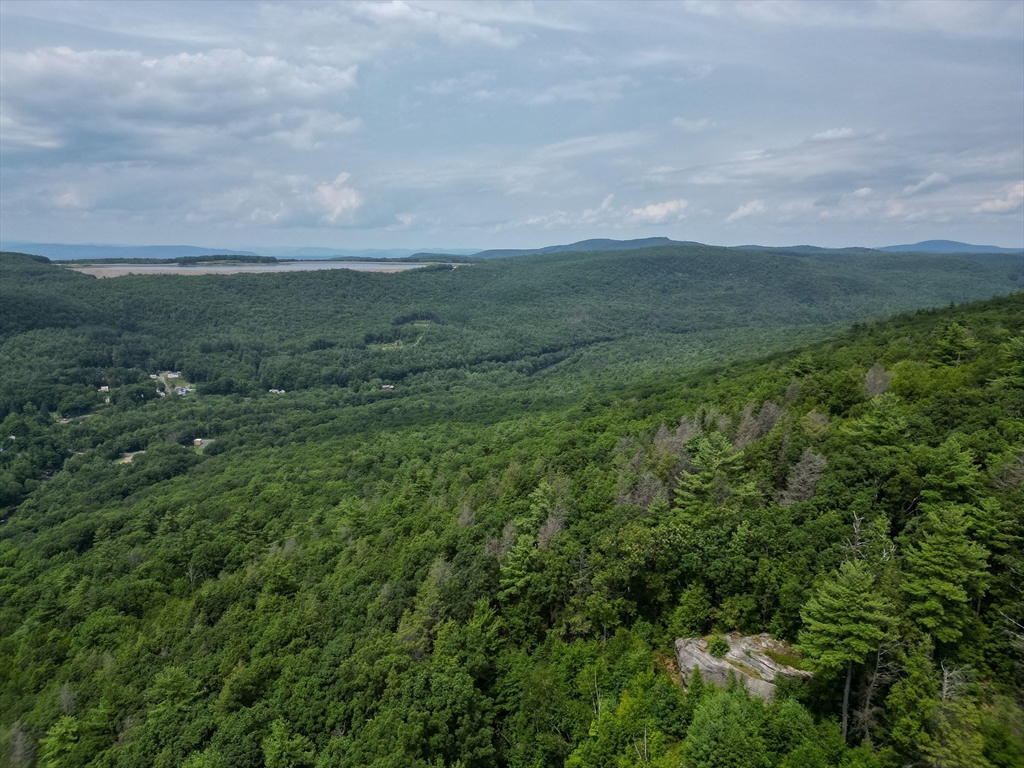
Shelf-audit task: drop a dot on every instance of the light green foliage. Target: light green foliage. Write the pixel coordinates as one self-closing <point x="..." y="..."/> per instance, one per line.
<point x="714" y="479"/>
<point x="726" y="733"/>
<point x="718" y="646"/>
<point x="954" y="345"/>
<point x="59" y="743"/>
<point x="208" y="758"/>
<point x="690" y="617"/>
<point x="912" y="701"/>
<point x="956" y="741"/>
<point x="284" y="750"/>
<point x="846" y="619"/>
<point x="944" y="568"/>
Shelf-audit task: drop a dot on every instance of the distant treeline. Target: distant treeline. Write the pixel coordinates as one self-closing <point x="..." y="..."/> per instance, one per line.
<point x="416" y="258"/>
<point x="181" y="260"/>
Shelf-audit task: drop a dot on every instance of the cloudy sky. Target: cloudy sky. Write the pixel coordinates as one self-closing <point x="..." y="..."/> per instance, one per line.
<point x="418" y="124"/>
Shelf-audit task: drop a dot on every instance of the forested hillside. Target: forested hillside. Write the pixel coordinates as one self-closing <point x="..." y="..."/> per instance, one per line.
<point x="612" y="315"/>
<point x="484" y="567"/>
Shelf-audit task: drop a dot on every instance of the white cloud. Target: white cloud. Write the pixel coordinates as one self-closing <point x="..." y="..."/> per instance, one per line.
<point x="747" y="209"/>
<point x="595" y="215"/>
<point x="957" y="18"/>
<point x="931" y="182"/>
<point x="338" y="201"/>
<point x="1011" y="201"/>
<point x="592" y="90"/>
<point x="588" y="145"/>
<point x="449" y="27"/>
<point x="453" y="85"/>
<point x="692" y="126"/>
<point x="656" y="213"/>
<point x="168" y="103"/>
<point x="834" y="134"/>
<point x="862" y="192"/>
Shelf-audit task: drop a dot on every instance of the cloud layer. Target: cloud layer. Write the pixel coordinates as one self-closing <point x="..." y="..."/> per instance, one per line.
<point x="414" y="123"/>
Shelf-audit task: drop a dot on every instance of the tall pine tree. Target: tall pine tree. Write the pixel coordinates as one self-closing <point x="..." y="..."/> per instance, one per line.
<point x="845" y="621"/>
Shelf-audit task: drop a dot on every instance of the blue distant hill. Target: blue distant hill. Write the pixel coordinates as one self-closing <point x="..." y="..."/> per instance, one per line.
<point x="65" y="252"/>
<point x="598" y="244"/>
<point x="946" y="246"/>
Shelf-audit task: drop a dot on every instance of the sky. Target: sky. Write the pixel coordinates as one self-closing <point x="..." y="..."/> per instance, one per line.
<point x="407" y="124"/>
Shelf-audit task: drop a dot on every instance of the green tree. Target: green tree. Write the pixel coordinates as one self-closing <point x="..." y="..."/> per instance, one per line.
<point x="954" y="345"/>
<point x="956" y="739"/>
<point x="912" y="699"/>
<point x="725" y="733"/>
<point x="942" y="571"/>
<point x="715" y="475"/>
<point x="58" y="743"/>
<point x="284" y="750"/>
<point x="844" y="621"/>
<point x="690" y="617"/>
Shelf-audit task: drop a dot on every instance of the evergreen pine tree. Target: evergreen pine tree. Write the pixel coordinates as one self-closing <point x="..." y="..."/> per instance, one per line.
<point x="941" y="571"/>
<point x="845" y="621"/>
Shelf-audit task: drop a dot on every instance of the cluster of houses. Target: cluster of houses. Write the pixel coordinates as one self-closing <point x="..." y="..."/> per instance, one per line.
<point x="182" y="391"/>
<point x="277" y="391"/>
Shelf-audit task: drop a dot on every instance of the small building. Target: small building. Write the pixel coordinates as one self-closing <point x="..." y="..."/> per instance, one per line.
<point x="277" y="391"/>
<point x="104" y="388"/>
<point x="197" y="442"/>
<point x="388" y="386"/>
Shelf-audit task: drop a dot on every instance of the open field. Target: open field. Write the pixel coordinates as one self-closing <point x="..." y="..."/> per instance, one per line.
<point x="120" y="270"/>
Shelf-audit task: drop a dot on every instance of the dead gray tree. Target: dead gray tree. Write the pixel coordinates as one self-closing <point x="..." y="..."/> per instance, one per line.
<point x="886" y="670"/>
<point x="877" y="381"/>
<point x="466" y="516"/>
<point x="192" y="573"/>
<point x="955" y="680"/>
<point x="67" y="698"/>
<point x="792" y="391"/>
<point x="855" y="543"/>
<point x="688" y="429"/>
<point x="803" y="478"/>
<point x="753" y="427"/>
<point x="552" y="526"/>
<point x="666" y="442"/>
<point x="20" y="751"/>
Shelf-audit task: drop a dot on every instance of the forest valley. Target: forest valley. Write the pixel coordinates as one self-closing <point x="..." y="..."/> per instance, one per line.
<point x="583" y="458"/>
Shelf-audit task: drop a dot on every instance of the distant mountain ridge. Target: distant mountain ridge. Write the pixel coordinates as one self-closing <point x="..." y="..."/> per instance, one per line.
<point x="361" y="253"/>
<point x="596" y="244"/>
<point x="603" y="244"/>
<point x="946" y="246"/>
<point x="64" y="251"/>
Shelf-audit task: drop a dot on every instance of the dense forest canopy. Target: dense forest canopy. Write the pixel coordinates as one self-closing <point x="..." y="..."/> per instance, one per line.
<point x="489" y="563"/>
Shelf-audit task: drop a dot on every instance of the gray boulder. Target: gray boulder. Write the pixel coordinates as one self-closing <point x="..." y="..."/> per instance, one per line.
<point x="748" y="658"/>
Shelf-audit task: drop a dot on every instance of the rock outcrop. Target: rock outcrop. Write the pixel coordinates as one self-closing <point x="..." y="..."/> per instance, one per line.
<point x="748" y="658"/>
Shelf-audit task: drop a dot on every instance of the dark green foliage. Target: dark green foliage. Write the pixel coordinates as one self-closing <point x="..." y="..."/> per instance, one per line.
<point x="718" y="646"/>
<point x="487" y="568"/>
<point x="845" y="619"/>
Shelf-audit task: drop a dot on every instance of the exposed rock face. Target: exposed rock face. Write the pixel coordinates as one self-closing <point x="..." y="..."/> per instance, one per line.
<point x="747" y="659"/>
